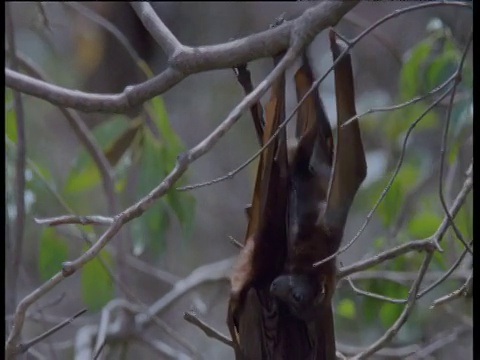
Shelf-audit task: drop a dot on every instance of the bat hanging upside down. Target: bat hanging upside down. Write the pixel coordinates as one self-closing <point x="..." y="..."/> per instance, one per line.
<point x="323" y="184"/>
<point x="280" y="304"/>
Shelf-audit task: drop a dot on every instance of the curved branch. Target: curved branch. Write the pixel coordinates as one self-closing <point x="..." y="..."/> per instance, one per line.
<point x="190" y="60"/>
<point x="162" y="34"/>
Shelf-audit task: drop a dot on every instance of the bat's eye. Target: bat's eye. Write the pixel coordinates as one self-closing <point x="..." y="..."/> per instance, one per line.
<point x="297" y="297"/>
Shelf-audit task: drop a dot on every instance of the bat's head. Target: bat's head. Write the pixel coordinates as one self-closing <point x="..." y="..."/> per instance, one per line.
<point x="300" y="293"/>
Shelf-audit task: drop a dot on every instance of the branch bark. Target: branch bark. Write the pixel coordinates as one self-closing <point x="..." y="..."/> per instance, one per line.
<point x="188" y="60"/>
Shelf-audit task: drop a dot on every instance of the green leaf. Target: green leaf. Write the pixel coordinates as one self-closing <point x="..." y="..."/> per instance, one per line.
<point x="423" y="224"/>
<point x="84" y="179"/>
<point x="52" y="252"/>
<point x="346" y="308"/>
<point x="121" y="144"/>
<point x="84" y="173"/>
<point x="96" y="284"/>
<point x="379" y="242"/>
<point x="150" y="228"/>
<point x="464" y="220"/>
<point x="398" y="122"/>
<point x="408" y="175"/>
<point x="170" y="138"/>
<point x="388" y="208"/>
<point x="11" y="124"/>
<point x="182" y="204"/>
<point x="440" y="69"/>
<point x="409" y="75"/>
<point x="369" y="310"/>
<point x="389" y="313"/>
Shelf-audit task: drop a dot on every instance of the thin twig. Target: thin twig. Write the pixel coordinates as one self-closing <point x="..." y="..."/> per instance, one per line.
<point x="73" y="219"/>
<point x="105" y="321"/>
<point x="379" y="36"/>
<point x="425" y="244"/>
<point x="390" y="333"/>
<point x="445" y="276"/>
<point x="458" y="77"/>
<point x="373" y="295"/>
<point x="162" y="349"/>
<point x="402" y="277"/>
<point x="37" y="355"/>
<point x="15" y="257"/>
<point x="402" y="105"/>
<point x="25" y="346"/>
<point x="410" y="198"/>
<point x="396" y="353"/>
<point x="443" y="339"/>
<point x="211" y="272"/>
<point x="235" y="242"/>
<point x="414" y="245"/>
<point x="150" y="270"/>
<point x="207" y="329"/>
<point x="52" y="303"/>
<point x="43" y="15"/>
<point x="464" y="290"/>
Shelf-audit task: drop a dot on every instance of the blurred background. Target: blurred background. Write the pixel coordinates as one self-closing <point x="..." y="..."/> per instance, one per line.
<point x="405" y="57"/>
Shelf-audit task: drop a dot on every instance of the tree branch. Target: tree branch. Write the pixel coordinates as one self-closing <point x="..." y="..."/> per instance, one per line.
<point x="73" y="219"/>
<point x="25" y="346"/>
<point x="155" y="26"/>
<point x="412" y="295"/>
<point x="414" y="245"/>
<point x="190" y="60"/>
<point x="207" y="329"/>
<point x="315" y="84"/>
<point x="458" y="78"/>
<point x="464" y="290"/>
<point x="210" y="272"/>
<point x="15" y="244"/>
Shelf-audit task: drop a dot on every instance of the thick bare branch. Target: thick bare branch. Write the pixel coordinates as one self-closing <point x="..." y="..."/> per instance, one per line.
<point x="298" y="33"/>
<point x="155" y="26"/>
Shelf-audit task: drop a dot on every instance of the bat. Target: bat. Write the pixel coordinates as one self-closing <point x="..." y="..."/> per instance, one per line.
<point x="323" y="184"/>
<point x="251" y="316"/>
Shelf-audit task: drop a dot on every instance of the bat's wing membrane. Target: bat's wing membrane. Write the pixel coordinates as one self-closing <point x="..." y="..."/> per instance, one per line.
<point x="350" y="167"/>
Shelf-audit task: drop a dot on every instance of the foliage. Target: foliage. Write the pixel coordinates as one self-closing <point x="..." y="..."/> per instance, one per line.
<point x="428" y="64"/>
<point x="144" y="148"/>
